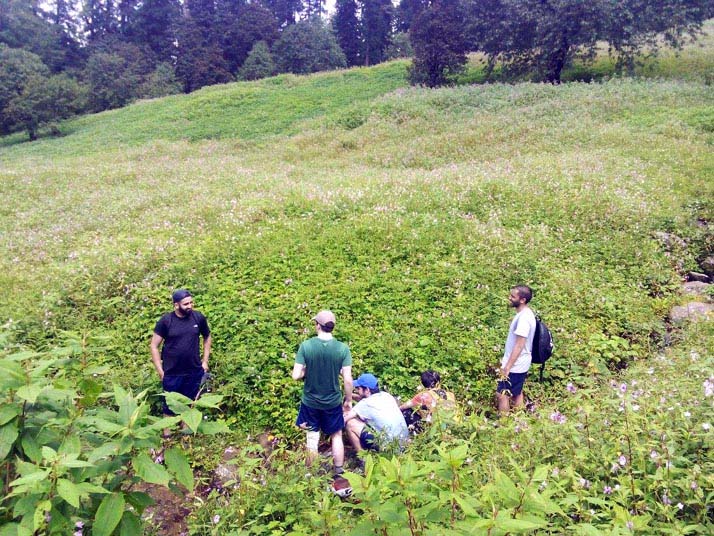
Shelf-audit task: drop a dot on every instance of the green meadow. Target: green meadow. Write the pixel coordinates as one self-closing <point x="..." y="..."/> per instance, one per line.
<point x="410" y="213"/>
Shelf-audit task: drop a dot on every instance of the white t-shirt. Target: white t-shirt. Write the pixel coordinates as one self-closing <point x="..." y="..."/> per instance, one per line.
<point x="381" y="412"/>
<point x="523" y="325"/>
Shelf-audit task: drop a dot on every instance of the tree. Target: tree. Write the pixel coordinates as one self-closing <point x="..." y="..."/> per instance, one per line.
<point x="347" y="29"/>
<point x="376" y="29"/>
<point x="306" y="47"/>
<point x="112" y="81"/>
<point x="439" y="44"/>
<point x="406" y="12"/>
<point x="285" y="11"/>
<point x="154" y="25"/>
<point x="17" y="67"/>
<point x="259" y="63"/>
<point x="252" y="23"/>
<point x="160" y="82"/>
<point x="44" y="100"/>
<point x="543" y="36"/>
<point x="21" y="26"/>
<point x="200" y="60"/>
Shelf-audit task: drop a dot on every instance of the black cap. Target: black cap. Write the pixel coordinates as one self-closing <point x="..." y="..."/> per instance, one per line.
<point x="180" y="294"/>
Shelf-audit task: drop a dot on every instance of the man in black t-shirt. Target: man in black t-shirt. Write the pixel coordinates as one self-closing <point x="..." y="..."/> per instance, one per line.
<point x="179" y="362"/>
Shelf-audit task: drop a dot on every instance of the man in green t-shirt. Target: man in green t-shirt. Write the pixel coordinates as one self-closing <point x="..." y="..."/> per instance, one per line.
<point x="320" y="361"/>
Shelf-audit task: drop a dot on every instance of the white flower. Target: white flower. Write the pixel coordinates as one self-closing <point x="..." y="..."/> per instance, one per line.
<point x="216" y="519"/>
<point x="706" y="425"/>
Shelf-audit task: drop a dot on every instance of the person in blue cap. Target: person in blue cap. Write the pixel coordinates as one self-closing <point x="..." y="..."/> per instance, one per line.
<point x="180" y="363"/>
<point x="375" y="421"/>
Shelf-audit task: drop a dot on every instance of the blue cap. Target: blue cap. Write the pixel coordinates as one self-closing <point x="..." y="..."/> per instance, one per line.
<point x="366" y="380"/>
<point x="180" y="294"/>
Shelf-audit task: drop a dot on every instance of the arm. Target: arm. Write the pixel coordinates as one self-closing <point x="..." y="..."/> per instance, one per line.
<point x="156" y="341"/>
<point x="298" y="371"/>
<point x="407" y="405"/>
<point x="347" y="378"/>
<point x="349" y="415"/>
<point x="517" y="349"/>
<point x="206" y="352"/>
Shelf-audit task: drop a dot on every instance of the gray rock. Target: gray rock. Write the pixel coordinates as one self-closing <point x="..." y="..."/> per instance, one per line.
<point x="693" y="311"/>
<point x="696" y="276"/>
<point x="697" y="288"/>
<point x="226" y="473"/>
<point x="670" y="240"/>
<point x="708" y="265"/>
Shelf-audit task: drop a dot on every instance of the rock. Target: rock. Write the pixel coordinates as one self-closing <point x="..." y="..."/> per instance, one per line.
<point x="670" y="240"/>
<point x="692" y="311"/>
<point x="696" y="276"/>
<point x="708" y="266"/>
<point x="697" y="288"/>
<point x="226" y="473"/>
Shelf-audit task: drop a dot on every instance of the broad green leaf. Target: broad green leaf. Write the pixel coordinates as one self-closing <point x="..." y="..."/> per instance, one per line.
<point x="68" y="491"/>
<point x="23" y="356"/>
<point x="506" y="489"/>
<point x="38" y="519"/>
<point x="49" y="454"/>
<point x="12" y="375"/>
<point x="9" y="530"/>
<point x="177" y="402"/>
<point x="177" y="464"/>
<point x="519" y="526"/>
<point x="193" y="419"/>
<point x="139" y="500"/>
<point x="8" y="435"/>
<point x="8" y="412"/>
<point x="149" y="471"/>
<point x="76" y="463"/>
<point x="30" y="479"/>
<point x="108" y="515"/>
<point x="88" y="487"/>
<point x="31" y="448"/>
<point x="213" y="427"/>
<point x="30" y="392"/>
<point x="130" y="525"/>
<point x="103" y="451"/>
<point x="209" y="401"/>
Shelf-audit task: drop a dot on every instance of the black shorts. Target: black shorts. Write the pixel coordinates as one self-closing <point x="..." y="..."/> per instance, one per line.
<point x="514" y="383"/>
<point x="367" y="440"/>
<point x="186" y="384"/>
<point x="328" y="421"/>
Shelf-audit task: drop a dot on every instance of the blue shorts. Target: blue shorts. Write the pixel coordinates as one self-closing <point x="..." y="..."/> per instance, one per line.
<point x="328" y="421"/>
<point x="367" y="441"/>
<point x="514" y="383"/>
<point x="186" y="384"/>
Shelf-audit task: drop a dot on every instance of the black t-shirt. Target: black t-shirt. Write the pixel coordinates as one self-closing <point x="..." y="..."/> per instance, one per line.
<point x="181" y="352"/>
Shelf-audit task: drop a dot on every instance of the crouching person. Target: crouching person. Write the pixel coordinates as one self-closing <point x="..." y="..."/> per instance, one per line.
<point x="429" y="402"/>
<point x="375" y="422"/>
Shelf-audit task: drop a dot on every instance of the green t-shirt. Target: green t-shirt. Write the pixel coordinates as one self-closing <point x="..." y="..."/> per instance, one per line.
<point x="323" y="361"/>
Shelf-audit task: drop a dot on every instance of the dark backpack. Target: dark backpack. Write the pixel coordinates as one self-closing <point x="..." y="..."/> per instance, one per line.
<point x="542" y="345"/>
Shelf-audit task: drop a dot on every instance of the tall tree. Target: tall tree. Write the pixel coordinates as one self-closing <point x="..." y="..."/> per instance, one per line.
<point x="376" y="29"/>
<point x="406" y="12"/>
<point x="285" y="11"/>
<point x="203" y="14"/>
<point x="314" y="8"/>
<point x="100" y="18"/>
<point x="200" y="60"/>
<point x="259" y="63"/>
<point x="439" y="44"/>
<point x="347" y="29"/>
<point x="306" y="47"/>
<point x="17" y="67"/>
<point x="154" y="25"/>
<point x="252" y="23"/>
<point x="543" y="36"/>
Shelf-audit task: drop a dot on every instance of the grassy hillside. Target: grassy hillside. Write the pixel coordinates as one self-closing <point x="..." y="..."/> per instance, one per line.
<point x="409" y="212"/>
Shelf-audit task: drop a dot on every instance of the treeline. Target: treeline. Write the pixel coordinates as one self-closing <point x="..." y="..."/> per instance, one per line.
<point x="62" y="57"/>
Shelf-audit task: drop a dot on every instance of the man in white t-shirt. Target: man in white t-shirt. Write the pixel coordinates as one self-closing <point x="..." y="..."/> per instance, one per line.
<point x="376" y="420"/>
<point x="517" y="355"/>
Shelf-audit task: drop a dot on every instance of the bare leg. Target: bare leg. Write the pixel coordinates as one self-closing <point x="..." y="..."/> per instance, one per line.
<point x="354" y="428"/>
<point x="518" y="400"/>
<point x="503" y="402"/>
<point x="338" y="449"/>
